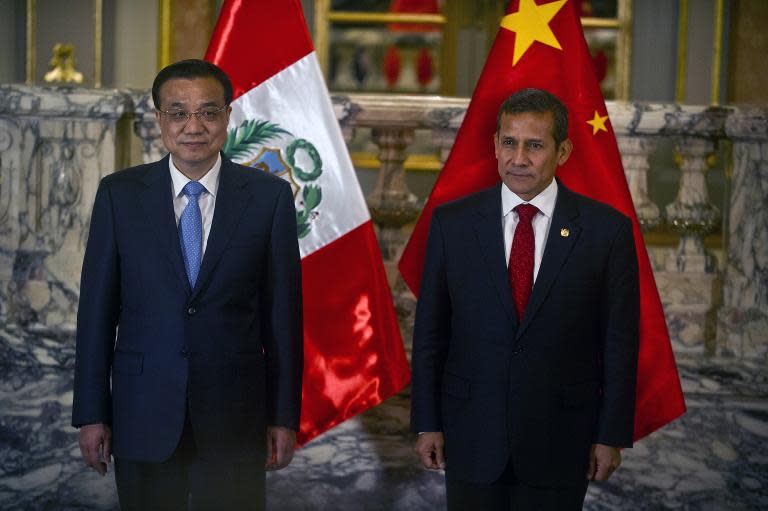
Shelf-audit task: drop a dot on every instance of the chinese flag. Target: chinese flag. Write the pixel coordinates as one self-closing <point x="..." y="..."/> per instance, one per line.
<point x="353" y="353"/>
<point x="542" y="45"/>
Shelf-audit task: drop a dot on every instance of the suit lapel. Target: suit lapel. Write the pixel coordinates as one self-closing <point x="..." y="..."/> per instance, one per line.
<point x="231" y="199"/>
<point x="157" y="201"/>
<point x="490" y="234"/>
<point x="559" y="246"/>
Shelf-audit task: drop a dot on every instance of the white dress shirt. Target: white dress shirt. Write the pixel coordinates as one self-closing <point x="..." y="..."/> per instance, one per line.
<point x="206" y="201"/>
<point x="545" y="202"/>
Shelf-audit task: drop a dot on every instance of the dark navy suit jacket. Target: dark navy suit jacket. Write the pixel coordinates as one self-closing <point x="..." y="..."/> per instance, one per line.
<point x="540" y="391"/>
<point x="149" y="347"/>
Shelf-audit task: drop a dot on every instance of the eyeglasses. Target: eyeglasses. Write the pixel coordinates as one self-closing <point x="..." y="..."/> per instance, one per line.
<point x="181" y="117"/>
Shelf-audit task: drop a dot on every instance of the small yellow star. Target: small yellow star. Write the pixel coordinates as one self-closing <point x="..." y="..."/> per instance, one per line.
<point x="598" y="123"/>
<point x="531" y="23"/>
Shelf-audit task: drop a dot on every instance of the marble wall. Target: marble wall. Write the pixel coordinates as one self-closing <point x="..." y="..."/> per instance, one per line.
<point x="55" y="145"/>
<point x="743" y="319"/>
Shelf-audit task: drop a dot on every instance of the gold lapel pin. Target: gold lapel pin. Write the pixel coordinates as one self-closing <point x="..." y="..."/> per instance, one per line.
<point x="564" y="232"/>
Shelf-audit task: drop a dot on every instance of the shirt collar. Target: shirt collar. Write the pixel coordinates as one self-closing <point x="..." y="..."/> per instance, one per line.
<point x="544" y="201"/>
<point x="210" y="180"/>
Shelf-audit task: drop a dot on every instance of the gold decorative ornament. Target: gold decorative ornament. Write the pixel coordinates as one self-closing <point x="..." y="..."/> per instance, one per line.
<point x="63" y="63"/>
<point x="565" y="232"/>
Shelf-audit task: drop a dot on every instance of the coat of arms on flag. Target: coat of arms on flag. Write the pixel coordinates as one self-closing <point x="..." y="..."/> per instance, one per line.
<point x="253" y="135"/>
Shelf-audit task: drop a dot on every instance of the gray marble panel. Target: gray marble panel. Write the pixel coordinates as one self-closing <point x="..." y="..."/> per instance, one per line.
<point x="743" y="320"/>
<point x="690" y="302"/>
<point x="56" y="143"/>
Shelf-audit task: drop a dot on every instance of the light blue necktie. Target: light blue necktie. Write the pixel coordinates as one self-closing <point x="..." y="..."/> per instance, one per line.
<point x="191" y="231"/>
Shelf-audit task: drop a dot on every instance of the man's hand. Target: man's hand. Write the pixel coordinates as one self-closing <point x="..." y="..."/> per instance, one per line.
<point x="603" y="460"/>
<point x="431" y="451"/>
<point x="280" y="445"/>
<point x="96" y="446"/>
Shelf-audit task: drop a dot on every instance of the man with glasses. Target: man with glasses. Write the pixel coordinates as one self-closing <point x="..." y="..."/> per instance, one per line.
<point x="189" y="331"/>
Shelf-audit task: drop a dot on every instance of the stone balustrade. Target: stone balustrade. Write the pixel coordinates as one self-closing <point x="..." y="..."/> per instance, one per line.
<point x="56" y="143"/>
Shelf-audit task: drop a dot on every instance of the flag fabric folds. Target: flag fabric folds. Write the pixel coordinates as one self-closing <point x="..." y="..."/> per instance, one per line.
<point x="541" y="44"/>
<point x="283" y="122"/>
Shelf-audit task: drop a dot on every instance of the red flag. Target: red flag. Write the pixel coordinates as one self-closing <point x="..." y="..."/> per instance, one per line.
<point x="391" y="66"/>
<point x="542" y="45"/>
<point x="283" y="122"/>
<point x="413" y="7"/>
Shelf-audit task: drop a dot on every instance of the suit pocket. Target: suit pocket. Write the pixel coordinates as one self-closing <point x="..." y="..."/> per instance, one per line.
<point x="579" y="394"/>
<point x="128" y="362"/>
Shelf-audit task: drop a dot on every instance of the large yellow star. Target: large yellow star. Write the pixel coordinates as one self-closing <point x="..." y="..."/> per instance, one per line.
<point x="531" y="23"/>
<point x="598" y="123"/>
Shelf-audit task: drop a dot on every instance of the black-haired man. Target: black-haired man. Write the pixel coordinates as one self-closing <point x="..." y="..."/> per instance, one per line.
<point x="525" y="343"/>
<point x="189" y="335"/>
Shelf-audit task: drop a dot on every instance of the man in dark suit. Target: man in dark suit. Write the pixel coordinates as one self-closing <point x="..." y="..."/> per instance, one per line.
<point x="190" y="306"/>
<point x="525" y="343"/>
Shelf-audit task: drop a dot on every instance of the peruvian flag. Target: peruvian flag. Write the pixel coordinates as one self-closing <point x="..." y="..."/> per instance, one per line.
<point x="541" y="44"/>
<point x="283" y="122"/>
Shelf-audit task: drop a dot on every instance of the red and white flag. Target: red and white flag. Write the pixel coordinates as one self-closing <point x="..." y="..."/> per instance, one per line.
<point x="541" y="44"/>
<point x="283" y="122"/>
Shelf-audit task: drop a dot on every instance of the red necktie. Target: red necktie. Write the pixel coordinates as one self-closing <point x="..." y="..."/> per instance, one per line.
<point x="521" y="258"/>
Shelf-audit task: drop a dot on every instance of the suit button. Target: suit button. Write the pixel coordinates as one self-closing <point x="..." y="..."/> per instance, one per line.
<point x="184" y="353"/>
<point x="191" y="311"/>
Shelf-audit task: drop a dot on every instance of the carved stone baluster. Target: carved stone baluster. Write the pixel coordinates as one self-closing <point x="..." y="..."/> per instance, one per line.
<point x="634" y="157"/>
<point x="691" y="214"/>
<point x="391" y="204"/>
<point x="689" y="286"/>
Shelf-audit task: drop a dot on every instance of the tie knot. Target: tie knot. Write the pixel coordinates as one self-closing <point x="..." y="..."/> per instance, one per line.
<point x="193" y="189"/>
<point x="526" y="212"/>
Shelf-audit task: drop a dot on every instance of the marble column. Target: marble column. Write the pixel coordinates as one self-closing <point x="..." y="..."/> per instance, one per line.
<point x="691" y="214"/>
<point x="742" y="323"/>
<point x="56" y="144"/>
<point x="391" y="204"/>
<point x="690" y="284"/>
<point x="634" y="157"/>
